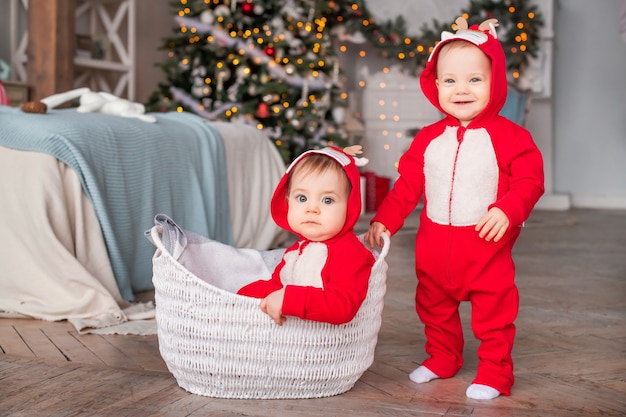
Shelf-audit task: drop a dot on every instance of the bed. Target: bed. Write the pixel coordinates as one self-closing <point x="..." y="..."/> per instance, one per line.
<point x="77" y="191"/>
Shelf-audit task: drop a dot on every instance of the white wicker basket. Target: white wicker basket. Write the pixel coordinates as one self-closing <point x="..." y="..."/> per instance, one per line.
<point x="219" y="344"/>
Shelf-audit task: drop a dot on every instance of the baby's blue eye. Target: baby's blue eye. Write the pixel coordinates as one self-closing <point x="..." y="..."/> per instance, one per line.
<point x="328" y="200"/>
<point x="301" y="198"/>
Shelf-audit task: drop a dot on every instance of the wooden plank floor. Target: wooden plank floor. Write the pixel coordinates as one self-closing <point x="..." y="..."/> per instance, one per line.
<point x="570" y="354"/>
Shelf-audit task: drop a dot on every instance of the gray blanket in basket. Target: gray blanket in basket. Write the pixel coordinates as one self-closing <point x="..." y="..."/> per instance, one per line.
<point x="221" y="265"/>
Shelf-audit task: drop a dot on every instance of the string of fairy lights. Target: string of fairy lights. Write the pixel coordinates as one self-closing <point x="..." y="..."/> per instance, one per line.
<point x="520" y="23"/>
<point x="310" y="61"/>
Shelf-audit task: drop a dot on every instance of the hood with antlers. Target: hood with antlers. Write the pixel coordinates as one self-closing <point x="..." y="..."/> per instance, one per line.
<point x="349" y="162"/>
<point x="484" y="36"/>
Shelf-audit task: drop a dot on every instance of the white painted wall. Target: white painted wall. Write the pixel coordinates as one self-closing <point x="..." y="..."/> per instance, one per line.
<point x="590" y="104"/>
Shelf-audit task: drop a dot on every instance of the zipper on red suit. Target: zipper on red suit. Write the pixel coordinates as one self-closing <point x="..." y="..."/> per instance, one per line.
<point x="303" y="244"/>
<point x="460" y="133"/>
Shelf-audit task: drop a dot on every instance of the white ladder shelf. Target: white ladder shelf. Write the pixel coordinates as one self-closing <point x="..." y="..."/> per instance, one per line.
<point x="110" y="22"/>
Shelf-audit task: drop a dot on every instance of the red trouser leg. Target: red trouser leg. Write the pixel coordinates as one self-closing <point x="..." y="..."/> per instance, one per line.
<point x="439" y="313"/>
<point x="494" y="309"/>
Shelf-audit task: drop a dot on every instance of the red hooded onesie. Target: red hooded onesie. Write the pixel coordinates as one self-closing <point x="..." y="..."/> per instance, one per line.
<point x="324" y="281"/>
<point x="460" y="173"/>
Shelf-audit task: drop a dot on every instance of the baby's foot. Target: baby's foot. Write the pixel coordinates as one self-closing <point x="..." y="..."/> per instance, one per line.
<point x="481" y="392"/>
<point x="422" y="375"/>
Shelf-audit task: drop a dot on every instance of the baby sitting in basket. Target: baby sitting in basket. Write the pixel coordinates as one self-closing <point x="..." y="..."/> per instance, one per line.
<point x="324" y="275"/>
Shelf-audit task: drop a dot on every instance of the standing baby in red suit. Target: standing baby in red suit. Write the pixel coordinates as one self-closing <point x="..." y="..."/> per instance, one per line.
<point x="479" y="175"/>
<point x="324" y="275"/>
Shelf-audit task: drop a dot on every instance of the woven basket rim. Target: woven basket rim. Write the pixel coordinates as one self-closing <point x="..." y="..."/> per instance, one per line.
<point x="375" y="276"/>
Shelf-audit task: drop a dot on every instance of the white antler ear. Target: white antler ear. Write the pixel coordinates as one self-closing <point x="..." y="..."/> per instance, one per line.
<point x="490" y="25"/>
<point x="361" y="162"/>
<point x="493" y="30"/>
<point x="446" y="35"/>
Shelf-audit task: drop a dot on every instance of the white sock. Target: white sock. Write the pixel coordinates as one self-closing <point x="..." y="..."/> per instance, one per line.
<point x="481" y="392"/>
<point x="422" y="374"/>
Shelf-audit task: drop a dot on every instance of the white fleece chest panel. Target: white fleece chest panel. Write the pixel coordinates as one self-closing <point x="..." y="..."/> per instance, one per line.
<point x="461" y="179"/>
<point x="305" y="268"/>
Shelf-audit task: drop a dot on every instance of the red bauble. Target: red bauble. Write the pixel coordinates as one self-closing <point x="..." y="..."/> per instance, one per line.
<point x="247" y="8"/>
<point x="270" y="51"/>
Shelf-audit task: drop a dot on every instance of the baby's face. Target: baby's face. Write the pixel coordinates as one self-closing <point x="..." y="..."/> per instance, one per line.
<point x="318" y="204"/>
<point x="463" y="81"/>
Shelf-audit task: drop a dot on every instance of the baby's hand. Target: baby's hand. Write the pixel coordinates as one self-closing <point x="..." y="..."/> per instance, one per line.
<point x="272" y="305"/>
<point x="373" y="234"/>
<point x="493" y="225"/>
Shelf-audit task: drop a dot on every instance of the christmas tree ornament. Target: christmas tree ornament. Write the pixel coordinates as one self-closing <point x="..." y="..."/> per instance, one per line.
<point x="223" y="72"/>
<point x="263" y="111"/>
<point x="242" y="71"/>
<point x="296" y="123"/>
<point x="247" y="8"/>
<point x="339" y="114"/>
<point x="290" y="69"/>
<point x="271" y="98"/>
<point x="197" y="91"/>
<point x="221" y="11"/>
<point x="270" y="51"/>
<point x="198" y="81"/>
<point x="207" y="16"/>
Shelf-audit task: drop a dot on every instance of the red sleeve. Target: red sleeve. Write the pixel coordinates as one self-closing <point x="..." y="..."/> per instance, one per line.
<point x="260" y="289"/>
<point x="521" y="170"/>
<point x="346" y="276"/>
<point x="263" y="288"/>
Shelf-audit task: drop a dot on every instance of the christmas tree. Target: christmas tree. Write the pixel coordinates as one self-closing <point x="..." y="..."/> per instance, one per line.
<point x="268" y="63"/>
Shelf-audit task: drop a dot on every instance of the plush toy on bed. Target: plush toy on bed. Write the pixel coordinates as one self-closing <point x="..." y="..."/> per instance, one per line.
<point x="91" y="101"/>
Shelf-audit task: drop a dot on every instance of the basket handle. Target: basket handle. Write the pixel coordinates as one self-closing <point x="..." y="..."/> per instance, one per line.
<point x="385" y="248"/>
<point x="386" y="244"/>
<point x="155" y="238"/>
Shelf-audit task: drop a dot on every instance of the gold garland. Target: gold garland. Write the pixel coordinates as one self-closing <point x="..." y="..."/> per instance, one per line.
<point x="519" y="28"/>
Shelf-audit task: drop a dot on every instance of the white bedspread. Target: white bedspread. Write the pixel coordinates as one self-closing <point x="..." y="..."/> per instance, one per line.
<point x="53" y="260"/>
<point x="254" y="169"/>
